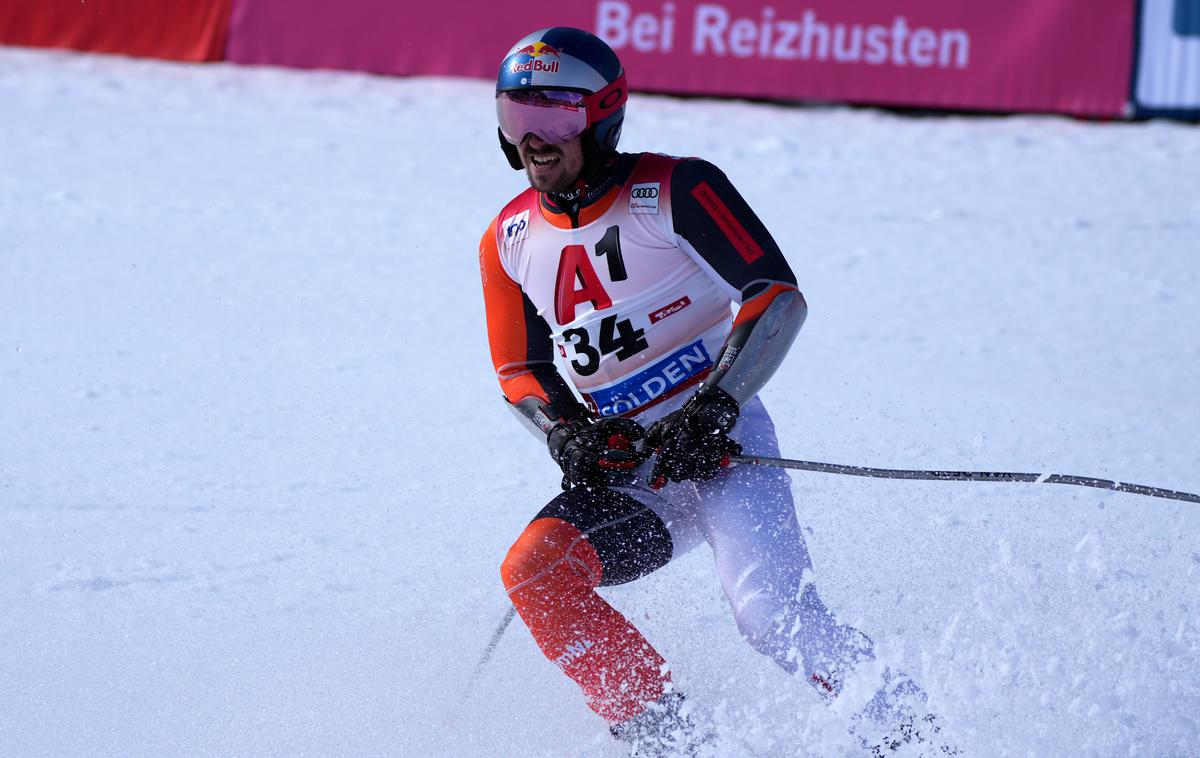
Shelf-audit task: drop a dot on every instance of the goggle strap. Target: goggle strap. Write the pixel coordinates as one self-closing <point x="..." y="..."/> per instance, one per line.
<point x="605" y="102"/>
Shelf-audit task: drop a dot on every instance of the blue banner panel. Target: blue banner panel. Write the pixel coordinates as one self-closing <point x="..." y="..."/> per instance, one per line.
<point x="1167" y="82"/>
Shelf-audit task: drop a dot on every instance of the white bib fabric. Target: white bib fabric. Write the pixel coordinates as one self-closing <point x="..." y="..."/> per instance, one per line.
<point x="641" y="313"/>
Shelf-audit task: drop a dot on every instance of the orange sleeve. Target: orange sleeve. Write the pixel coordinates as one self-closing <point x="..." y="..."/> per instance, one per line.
<point x="522" y="352"/>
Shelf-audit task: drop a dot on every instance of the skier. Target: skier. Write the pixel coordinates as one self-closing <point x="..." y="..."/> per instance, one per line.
<point x="629" y="264"/>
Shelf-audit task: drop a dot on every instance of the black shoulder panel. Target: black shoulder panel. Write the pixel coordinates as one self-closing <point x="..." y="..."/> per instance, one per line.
<point x="711" y="215"/>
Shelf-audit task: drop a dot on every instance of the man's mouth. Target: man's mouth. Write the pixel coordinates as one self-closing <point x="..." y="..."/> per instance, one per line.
<point x="543" y="160"/>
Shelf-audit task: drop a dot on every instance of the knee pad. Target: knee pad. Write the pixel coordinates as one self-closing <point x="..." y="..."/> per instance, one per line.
<point x="544" y="544"/>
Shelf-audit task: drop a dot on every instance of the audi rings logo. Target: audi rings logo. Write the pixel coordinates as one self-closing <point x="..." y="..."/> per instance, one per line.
<point x="643" y="198"/>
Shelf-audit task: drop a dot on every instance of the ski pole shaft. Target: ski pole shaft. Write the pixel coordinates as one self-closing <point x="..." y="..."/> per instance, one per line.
<point x="968" y="476"/>
<point x="489" y="650"/>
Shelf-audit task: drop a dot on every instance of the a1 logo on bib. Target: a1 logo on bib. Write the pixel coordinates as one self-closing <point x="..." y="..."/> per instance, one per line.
<point x="515" y="228"/>
<point x="643" y="198"/>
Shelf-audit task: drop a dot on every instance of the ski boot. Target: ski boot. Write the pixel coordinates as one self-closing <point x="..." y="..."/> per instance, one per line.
<point x="829" y="667"/>
<point x="898" y="720"/>
<point x="665" y="728"/>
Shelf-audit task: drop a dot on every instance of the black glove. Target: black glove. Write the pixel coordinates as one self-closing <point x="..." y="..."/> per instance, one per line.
<point x="693" y="442"/>
<point x="589" y="450"/>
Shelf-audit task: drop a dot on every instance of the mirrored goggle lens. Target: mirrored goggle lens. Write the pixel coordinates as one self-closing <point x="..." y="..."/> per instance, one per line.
<point x="553" y="115"/>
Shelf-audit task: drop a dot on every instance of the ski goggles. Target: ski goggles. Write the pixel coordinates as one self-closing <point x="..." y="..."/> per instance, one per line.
<point x="555" y="115"/>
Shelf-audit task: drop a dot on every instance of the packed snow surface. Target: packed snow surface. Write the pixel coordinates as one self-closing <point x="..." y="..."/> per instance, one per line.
<point x="256" y="479"/>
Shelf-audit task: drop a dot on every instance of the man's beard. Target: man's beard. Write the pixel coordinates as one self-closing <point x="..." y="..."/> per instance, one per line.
<point x="556" y="186"/>
<point x="549" y="186"/>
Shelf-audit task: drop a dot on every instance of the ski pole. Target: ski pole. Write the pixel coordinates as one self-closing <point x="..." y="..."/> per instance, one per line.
<point x="967" y="476"/>
<point x="489" y="651"/>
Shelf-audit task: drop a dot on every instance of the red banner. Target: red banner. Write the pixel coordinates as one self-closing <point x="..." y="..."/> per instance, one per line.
<point x="1072" y="56"/>
<point x="185" y="30"/>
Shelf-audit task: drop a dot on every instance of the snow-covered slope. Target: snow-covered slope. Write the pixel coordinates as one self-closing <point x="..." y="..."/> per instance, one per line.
<point x="256" y="480"/>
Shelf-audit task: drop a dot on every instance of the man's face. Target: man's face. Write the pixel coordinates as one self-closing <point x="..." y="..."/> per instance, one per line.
<point x="552" y="168"/>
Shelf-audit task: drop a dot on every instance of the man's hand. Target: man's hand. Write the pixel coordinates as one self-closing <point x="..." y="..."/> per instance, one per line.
<point x="693" y="442"/>
<point x="589" y="450"/>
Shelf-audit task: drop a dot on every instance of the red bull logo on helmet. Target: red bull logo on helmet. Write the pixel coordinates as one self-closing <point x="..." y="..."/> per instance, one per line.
<point x="533" y="65"/>
<point x="536" y="52"/>
<point x="538" y="49"/>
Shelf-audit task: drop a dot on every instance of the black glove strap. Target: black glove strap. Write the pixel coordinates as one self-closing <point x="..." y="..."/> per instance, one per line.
<point x="693" y="442"/>
<point x="711" y="410"/>
<point x="562" y="432"/>
<point x="591" y="451"/>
